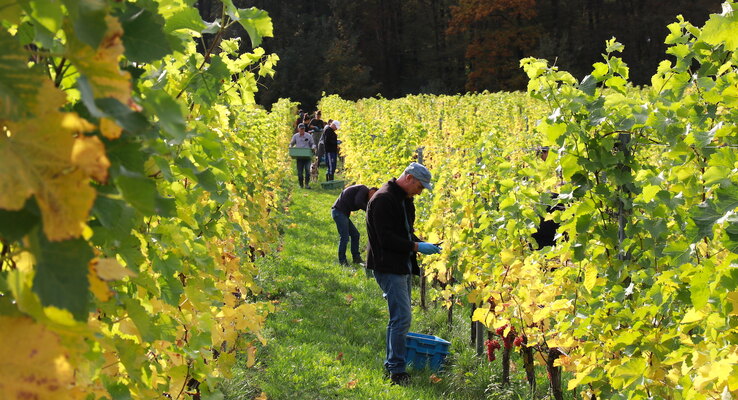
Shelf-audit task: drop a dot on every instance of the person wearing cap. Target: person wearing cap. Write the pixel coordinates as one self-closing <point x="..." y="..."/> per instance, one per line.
<point x="391" y="254"/>
<point x="303" y="139"/>
<point x="330" y="138"/>
<point x="353" y="198"/>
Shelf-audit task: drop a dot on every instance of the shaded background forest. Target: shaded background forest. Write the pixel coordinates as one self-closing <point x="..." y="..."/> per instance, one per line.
<point x="363" y="48"/>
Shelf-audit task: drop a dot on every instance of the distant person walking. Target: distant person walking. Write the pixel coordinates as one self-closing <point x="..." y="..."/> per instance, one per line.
<point x="353" y="198"/>
<point x="302" y="139"/>
<point x="391" y="254"/>
<point x="330" y="138"/>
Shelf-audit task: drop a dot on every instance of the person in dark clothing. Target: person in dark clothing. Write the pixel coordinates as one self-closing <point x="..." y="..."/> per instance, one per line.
<point x="546" y="233"/>
<point x="391" y="255"/>
<point x="317" y="124"/>
<point x="330" y="138"/>
<point x="353" y="198"/>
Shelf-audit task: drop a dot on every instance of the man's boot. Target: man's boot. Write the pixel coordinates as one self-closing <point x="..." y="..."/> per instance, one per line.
<point x="328" y="177"/>
<point x="300" y="180"/>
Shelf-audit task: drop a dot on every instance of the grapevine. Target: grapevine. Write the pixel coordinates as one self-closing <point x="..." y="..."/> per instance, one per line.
<point x="639" y="297"/>
<point x="138" y="182"/>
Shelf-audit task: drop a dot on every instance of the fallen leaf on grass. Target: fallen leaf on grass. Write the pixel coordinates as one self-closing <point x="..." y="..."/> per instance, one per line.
<point x="349" y="299"/>
<point x="262" y="396"/>
<point x="297" y="320"/>
<point x="434" y="379"/>
<point x="352" y="384"/>
<point x="340" y="356"/>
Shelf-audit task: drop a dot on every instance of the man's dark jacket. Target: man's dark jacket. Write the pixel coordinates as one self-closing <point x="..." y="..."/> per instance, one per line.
<point x="331" y="140"/>
<point x="390" y="246"/>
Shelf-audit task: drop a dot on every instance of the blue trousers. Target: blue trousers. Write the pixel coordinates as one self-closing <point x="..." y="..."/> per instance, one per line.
<point x="303" y="170"/>
<point x="346" y="231"/>
<point x="397" y="289"/>
<point x="330" y="160"/>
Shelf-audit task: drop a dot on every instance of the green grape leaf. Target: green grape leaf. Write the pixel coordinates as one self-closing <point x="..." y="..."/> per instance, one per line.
<point x="207" y="180"/>
<point x="143" y="321"/>
<point x="48" y="13"/>
<point x="88" y="17"/>
<point x="722" y="29"/>
<point x="18" y="83"/>
<point x="588" y="85"/>
<point x="143" y="37"/>
<point x="171" y="287"/>
<point x="16" y="224"/>
<point x="699" y="287"/>
<point x="169" y="112"/>
<point x="12" y="10"/>
<point x="207" y="84"/>
<point x="186" y="18"/>
<point x="61" y="274"/>
<point x="257" y="23"/>
<point x="132" y="356"/>
<point x="138" y="190"/>
<point x="132" y="121"/>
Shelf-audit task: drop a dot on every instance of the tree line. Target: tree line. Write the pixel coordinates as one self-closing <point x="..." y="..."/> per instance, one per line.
<point x="365" y="48"/>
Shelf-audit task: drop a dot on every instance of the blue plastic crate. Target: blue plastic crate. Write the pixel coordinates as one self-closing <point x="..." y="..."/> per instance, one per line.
<point x="426" y="351"/>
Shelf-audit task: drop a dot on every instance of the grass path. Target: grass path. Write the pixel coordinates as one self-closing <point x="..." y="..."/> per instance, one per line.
<point x="326" y="339"/>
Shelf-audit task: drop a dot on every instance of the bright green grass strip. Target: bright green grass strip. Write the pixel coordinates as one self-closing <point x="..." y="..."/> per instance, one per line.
<point x="326" y="340"/>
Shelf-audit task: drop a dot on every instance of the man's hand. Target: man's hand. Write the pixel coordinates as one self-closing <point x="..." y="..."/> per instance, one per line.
<point x="428" y="248"/>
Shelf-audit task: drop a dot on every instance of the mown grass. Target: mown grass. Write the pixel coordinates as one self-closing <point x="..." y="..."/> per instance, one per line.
<point x="326" y="340"/>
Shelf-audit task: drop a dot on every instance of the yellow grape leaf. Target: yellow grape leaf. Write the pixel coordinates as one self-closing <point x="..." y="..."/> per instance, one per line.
<point x="110" y="129"/>
<point x="225" y="364"/>
<point x="88" y="153"/>
<point x="97" y="286"/>
<point x="507" y="256"/>
<point x="732" y="298"/>
<point x="35" y="365"/>
<point x="251" y="356"/>
<point x="692" y="316"/>
<point x="35" y="159"/>
<point x="100" y="65"/>
<point x="590" y="277"/>
<point x="109" y="269"/>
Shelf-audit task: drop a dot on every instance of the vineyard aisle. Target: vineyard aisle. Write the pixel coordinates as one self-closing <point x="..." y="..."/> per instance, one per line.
<point x="326" y="338"/>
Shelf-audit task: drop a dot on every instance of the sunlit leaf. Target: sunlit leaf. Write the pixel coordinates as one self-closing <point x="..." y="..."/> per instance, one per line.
<point x="36" y="159"/>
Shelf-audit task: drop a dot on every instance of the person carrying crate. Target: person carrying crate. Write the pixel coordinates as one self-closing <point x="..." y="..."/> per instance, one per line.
<point x="303" y="140"/>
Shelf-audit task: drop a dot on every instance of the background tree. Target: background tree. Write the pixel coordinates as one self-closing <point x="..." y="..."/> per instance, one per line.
<point x="367" y="47"/>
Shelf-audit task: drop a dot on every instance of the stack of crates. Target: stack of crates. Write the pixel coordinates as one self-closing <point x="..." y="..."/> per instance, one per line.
<point x="426" y="350"/>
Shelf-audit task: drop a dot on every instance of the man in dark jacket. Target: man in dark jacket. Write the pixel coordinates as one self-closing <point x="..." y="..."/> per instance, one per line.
<point x="392" y="255"/>
<point x="353" y="198"/>
<point x="331" y="148"/>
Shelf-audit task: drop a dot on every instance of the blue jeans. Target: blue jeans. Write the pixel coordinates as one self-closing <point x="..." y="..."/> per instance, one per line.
<point x="346" y="230"/>
<point x="397" y="289"/>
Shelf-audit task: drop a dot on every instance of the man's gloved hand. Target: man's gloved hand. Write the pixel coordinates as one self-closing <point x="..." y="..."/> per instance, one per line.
<point x="428" y="248"/>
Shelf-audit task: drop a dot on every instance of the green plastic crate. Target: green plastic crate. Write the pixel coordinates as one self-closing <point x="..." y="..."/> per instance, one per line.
<point x="332" y="184"/>
<point x="300" y="152"/>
